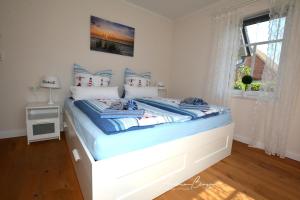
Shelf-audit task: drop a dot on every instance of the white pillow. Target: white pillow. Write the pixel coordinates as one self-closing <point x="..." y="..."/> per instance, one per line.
<point x="137" y="92"/>
<point x="139" y="80"/>
<point x="80" y="93"/>
<point x="84" y="78"/>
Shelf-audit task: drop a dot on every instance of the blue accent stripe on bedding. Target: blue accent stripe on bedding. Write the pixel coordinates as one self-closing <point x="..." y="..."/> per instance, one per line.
<point x="103" y="146"/>
<point x="115" y="114"/>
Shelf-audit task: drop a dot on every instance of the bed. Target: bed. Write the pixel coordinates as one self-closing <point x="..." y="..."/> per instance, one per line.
<point x="138" y="164"/>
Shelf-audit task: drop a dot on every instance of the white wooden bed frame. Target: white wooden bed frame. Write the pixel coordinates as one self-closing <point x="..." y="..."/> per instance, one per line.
<point x="149" y="172"/>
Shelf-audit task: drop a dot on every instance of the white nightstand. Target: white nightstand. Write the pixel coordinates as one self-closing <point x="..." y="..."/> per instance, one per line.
<point x="162" y="91"/>
<point x="42" y="121"/>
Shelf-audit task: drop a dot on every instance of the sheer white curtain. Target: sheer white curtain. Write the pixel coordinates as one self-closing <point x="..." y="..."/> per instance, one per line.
<point x="224" y="57"/>
<point x="273" y="112"/>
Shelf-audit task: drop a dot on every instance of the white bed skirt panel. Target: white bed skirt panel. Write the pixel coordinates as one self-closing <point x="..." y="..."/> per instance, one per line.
<point x="149" y="172"/>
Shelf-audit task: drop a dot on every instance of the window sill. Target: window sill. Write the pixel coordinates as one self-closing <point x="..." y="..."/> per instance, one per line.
<point x="254" y="95"/>
<point x="245" y="94"/>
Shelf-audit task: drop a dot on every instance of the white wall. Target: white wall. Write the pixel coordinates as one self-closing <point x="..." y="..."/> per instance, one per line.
<point x="191" y="51"/>
<point x="191" y="61"/>
<point x="45" y="37"/>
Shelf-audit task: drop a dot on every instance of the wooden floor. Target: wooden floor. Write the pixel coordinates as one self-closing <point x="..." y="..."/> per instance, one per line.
<point x="44" y="170"/>
<point x="38" y="171"/>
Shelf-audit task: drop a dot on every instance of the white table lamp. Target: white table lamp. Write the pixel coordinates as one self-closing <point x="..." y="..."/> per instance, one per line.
<point x="51" y="82"/>
<point x="161" y="84"/>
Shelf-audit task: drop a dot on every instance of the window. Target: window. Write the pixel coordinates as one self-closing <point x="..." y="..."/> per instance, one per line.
<point x="260" y="46"/>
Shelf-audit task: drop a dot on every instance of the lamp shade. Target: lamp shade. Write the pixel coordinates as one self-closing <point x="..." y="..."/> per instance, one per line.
<point x="161" y="84"/>
<point x="50" y="82"/>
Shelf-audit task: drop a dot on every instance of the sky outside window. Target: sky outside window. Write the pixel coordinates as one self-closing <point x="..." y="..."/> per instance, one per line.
<point x="266" y="31"/>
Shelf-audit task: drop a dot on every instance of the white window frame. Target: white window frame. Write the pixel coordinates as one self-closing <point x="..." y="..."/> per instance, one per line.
<point x="250" y="93"/>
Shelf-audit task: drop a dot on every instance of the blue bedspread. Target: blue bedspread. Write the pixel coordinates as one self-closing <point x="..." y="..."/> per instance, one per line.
<point x="157" y="111"/>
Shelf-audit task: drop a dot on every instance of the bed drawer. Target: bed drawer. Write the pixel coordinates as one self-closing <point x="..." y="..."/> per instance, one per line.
<point x="67" y="131"/>
<point x="67" y="136"/>
<point x="80" y="159"/>
<point x="83" y="167"/>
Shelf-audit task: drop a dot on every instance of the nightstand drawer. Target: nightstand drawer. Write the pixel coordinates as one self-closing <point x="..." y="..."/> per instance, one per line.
<point x="43" y="128"/>
<point x="43" y="122"/>
<point x="40" y="129"/>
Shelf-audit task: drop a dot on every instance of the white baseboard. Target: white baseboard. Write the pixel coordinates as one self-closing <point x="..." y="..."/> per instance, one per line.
<point x="293" y="155"/>
<point x="260" y="145"/>
<point x="12" y="133"/>
<point x="247" y="140"/>
<point x="242" y="139"/>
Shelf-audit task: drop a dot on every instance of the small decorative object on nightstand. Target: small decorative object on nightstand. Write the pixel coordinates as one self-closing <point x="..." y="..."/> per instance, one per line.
<point x="51" y="82"/>
<point x="162" y="90"/>
<point x="42" y="121"/>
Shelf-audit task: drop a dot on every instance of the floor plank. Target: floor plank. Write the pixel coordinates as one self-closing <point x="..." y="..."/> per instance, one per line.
<point x="247" y="174"/>
<point x="44" y="170"/>
<point x="41" y="170"/>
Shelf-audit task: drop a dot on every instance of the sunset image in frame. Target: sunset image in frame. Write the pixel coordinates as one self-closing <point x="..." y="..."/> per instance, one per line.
<point x="111" y="37"/>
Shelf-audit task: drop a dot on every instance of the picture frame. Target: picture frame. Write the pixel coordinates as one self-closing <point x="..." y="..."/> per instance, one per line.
<point x="111" y="37"/>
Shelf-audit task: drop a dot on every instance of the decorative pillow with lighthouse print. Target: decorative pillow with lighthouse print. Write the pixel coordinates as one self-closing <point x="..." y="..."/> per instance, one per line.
<point x="137" y="80"/>
<point x="83" y="78"/>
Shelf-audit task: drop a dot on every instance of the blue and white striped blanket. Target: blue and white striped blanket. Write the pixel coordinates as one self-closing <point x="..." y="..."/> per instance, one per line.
<point x="152" y="116"/>
<point x="173" y="105"/>
<point x="157" y="111"/>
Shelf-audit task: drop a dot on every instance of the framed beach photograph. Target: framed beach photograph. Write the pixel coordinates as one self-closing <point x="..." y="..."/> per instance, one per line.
<point x="111" y="37"/>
